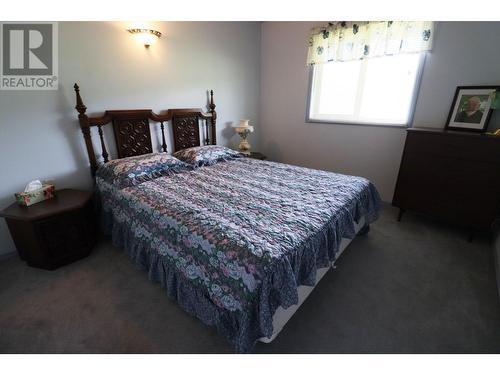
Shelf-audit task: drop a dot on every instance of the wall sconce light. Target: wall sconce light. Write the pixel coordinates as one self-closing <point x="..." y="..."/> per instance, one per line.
<point x="145" y="36"/>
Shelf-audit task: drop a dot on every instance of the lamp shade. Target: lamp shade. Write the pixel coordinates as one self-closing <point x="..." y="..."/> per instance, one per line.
<point x="244" y="126"/>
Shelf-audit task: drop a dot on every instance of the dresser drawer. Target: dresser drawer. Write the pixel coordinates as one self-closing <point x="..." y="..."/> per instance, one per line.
<point x="474" y="148"/>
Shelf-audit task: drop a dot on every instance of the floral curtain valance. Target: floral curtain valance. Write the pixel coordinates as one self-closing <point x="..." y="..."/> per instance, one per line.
<point x="344" y="41"/>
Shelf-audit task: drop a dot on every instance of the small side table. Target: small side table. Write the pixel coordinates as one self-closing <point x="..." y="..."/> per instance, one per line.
<point x="54" y="232"/>
<point x="257" y="155"/>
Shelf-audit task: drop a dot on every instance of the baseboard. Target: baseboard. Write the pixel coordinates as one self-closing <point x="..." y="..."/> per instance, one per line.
<point x="8" y="255"/>
<point x="496" y="252"/>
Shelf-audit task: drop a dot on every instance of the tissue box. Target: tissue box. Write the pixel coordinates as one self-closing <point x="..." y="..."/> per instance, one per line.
<point x="28" y="198"/>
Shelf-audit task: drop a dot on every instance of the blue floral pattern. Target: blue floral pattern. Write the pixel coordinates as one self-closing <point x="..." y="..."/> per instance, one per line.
<point x="134" y="170"/>
<point x="231" y="242"/>
<point x="206" y="155"/>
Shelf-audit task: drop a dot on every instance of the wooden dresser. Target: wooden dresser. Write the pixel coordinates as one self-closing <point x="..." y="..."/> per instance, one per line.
<point x="451" y="176"/>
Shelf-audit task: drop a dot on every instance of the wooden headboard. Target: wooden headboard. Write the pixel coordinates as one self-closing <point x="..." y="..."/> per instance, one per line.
<point x="132" y="132"/>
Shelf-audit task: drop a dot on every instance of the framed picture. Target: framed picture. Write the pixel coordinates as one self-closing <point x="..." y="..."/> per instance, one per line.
<point x="471" y="108"/>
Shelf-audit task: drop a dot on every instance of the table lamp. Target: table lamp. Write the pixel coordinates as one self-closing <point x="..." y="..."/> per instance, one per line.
<point x="243" y="129"/>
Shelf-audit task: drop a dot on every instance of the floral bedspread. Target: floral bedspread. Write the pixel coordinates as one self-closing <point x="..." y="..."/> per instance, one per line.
<point x="232" y="241"/>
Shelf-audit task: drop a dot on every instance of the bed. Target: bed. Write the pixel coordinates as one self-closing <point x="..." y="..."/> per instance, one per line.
<point x="239" y="243"/>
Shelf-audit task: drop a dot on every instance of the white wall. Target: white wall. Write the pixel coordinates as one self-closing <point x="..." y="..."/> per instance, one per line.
<point x="463" y="54"/>
<point x="39" y="132"/>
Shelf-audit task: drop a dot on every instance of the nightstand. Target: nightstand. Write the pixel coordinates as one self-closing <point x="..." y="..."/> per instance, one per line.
<point x="256" y="155"/>
<point x="54" y="232"/>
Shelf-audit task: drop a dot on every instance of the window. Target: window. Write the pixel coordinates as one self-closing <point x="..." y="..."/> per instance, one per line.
<point x="378" y="91"/>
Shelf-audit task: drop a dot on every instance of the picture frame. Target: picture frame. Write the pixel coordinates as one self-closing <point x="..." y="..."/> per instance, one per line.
<point x="471" y="108"/>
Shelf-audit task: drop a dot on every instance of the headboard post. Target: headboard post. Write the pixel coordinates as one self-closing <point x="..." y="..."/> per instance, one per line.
<point x="213" y="118"/>
<point x="103" y="145"/>
<point x="84" y="125"/>
<point x="163" y="142"/>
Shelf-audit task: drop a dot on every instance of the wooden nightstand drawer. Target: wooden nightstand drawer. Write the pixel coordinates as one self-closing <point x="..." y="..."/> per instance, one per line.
<point x="63" y="232"/>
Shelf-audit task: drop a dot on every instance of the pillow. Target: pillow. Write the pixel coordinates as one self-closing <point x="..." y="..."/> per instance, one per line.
<point x="134" y="170"/>
<point x="206" y="155"/>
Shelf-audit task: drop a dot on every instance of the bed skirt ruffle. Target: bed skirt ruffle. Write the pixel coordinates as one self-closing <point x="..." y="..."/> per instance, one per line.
<point x="240" y="329"/>
<point x="244" y="327"/>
